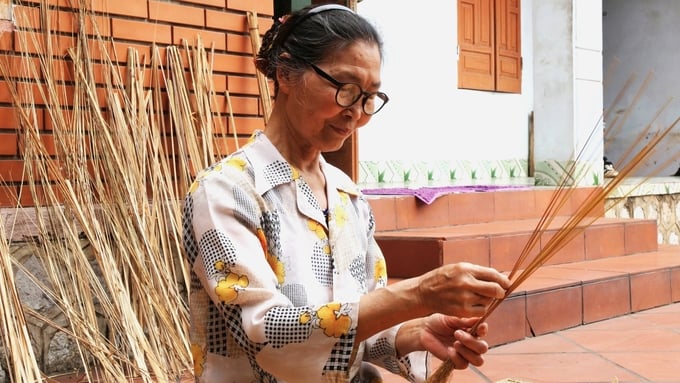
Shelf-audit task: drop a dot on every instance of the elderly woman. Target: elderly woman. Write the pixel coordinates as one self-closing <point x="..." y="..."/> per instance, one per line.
<point x="288" y="283"/>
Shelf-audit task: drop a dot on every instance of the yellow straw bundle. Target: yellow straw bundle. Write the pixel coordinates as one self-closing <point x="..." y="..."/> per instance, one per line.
<point x="108" y="216"/>
<point x="13" y="328"/>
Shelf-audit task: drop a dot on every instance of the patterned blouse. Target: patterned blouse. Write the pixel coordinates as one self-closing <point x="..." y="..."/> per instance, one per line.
<point x="276" y="281"/>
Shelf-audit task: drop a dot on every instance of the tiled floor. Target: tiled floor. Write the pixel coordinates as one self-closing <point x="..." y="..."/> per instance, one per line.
<point x="635" y="348"/>
<point x="639" y="347"/>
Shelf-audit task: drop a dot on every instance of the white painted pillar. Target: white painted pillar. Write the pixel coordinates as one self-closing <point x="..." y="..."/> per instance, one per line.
<point x="568" y="89"/>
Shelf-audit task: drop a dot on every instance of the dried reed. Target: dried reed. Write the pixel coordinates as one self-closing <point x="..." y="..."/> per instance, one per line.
<point x="108" y="216"/>
<point x="262" y="84"/>
<point x="586" y="213"/>
<point x="13" y="329"/>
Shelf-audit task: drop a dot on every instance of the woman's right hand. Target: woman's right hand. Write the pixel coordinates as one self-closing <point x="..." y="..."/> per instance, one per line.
<point x="461" y="289"/>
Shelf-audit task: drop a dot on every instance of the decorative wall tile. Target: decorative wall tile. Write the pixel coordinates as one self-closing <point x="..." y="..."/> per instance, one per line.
<point x="442" y="172"/>
<point x="552" y="173"/>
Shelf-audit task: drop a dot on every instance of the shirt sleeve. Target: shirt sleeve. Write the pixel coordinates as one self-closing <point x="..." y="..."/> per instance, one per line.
<point x="380" y="351"/>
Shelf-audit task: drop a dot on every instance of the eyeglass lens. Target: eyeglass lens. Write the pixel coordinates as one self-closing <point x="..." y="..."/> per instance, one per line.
<point x="350" y="93"/>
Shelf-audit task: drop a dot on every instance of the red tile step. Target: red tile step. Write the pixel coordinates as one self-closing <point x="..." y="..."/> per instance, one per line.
<point x="407" y="212"/>
<point x="411" y="252"/>
<point x="558" y="297"/>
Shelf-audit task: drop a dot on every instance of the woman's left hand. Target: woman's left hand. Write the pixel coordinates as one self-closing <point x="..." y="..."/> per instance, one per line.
<point x="447" y="337"/>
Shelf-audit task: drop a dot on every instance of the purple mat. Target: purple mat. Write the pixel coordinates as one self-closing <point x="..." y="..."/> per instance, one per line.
<point x="428" y="194"/>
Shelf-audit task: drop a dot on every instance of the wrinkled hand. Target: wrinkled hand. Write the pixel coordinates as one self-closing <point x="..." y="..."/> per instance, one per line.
<point x="446" y="337"/>
<point x="461" y="289"/>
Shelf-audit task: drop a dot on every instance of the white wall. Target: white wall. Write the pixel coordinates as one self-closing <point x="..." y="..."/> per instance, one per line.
<point x="428" y="118"/>
<point x="642" y="38"/>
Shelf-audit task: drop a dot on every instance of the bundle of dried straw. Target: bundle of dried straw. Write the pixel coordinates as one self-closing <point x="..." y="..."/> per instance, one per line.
<point x="108" y="217"/>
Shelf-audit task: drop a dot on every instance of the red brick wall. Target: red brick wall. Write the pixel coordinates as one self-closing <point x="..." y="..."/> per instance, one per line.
<point x="221" y="24"/>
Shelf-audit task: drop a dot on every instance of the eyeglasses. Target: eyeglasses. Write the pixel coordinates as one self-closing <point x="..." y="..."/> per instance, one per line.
<point x="349" y="93"/>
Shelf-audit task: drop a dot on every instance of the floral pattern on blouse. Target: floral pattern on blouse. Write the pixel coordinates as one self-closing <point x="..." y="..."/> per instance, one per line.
<point x="276" y="283"/>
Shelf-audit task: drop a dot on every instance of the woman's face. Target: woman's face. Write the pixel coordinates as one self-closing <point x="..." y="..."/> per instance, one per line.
<point x="313" y="113"/>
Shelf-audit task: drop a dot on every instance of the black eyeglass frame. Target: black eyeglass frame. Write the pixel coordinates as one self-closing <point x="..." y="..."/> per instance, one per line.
<point x="339" y="85"/>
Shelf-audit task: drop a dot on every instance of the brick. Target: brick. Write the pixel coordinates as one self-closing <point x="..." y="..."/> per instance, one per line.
<point x="264" y="7"/>
<point x="233" y="63"/>
<point x="6" y="38"/>
<point x="141" y="31"/>
<point x="23" y="90"/>
<point x="177" y="54"/>
<point x="246" y="125"/>
<point x="61" y="70"/>
<point x="243" y="105"/>
<point x="227" y="145"/>
<point x="48" y="2"/>
<point x="8" y="144"/>
<point x="32" y="42"/>
<point x="220" y="124"/>
<point x="119" y="52"/>
<point x="68" y="22"/>
<point x="47" y="141"/>
<point x="33" y="91"/>
<point x="242" y="85"/>
<point x="226" y="21"/>
<point x="210" y="3"/>
<point x="219" y="83"/>
<point x="239" y="44"/>
<point x="145" y="77"/>
<point x="98" y="26"/>
<point x="103" y="72"/>
<point x="23" y="66"/>
<point x="209" y="39"/>
<point x="8" y="195"/>
<point x="11" y="170"/>
<point x="35" y="117"/>
<point x="176" y="13"/>
<point x="64" y="43"/>
<point x="48" y="168"/>
<point x="264" y="24"/>
<point x="27" y="17"/>
<point x="49" y="120"/>
<point x="5" y="92"/>
<point x="43" y="197"/>
<point x="134" y="8"/>
<point x="8" y="118"/>
<point x="217" y="104"/>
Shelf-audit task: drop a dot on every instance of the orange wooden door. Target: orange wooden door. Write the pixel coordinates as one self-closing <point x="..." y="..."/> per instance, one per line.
<point x="476" y="66"/>
<point x="489" y="45"/>
<point x="508" y="47"/>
